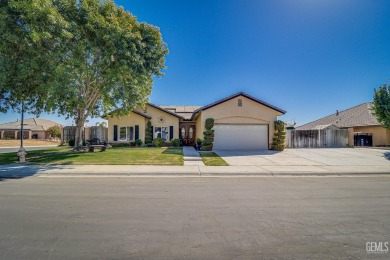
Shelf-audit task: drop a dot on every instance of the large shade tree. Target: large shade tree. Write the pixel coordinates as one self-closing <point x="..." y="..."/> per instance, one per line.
<point x="382" y="105"/>
<point x="108" y="59"/>
<point x="28" y="53"/>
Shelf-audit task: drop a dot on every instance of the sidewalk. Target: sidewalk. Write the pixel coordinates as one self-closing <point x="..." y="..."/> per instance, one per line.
<point x="25" y="170"/>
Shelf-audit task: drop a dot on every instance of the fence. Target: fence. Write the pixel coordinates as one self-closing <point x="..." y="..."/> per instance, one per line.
<point x="317" y="138"/>
<point x="98" y="132"/>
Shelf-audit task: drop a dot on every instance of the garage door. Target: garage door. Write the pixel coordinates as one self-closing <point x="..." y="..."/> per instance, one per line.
<point x="241" y="137"/>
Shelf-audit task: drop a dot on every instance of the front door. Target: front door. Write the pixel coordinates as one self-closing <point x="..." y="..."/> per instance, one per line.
<point x="187" y="134"/>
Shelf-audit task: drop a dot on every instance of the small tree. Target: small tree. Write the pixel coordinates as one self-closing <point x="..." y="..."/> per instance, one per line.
<point x="382" y="105"/>
<point x="280" y="136"/>
<point x="149" y="133"/>
<point x="207" y="144"/>
<point x="55" y="131"/>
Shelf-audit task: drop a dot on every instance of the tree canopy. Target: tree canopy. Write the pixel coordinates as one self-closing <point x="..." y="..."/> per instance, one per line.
<point x="28" y="53"/>
<point x="382" y="105"/>
<point x="81" y="58"/>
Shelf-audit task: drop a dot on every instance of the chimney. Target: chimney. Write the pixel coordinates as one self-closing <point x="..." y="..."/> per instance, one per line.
<point x="337" y="112"/>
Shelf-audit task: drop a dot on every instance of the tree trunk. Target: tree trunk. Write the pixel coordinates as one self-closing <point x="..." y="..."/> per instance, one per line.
<point x="78" y="144"/>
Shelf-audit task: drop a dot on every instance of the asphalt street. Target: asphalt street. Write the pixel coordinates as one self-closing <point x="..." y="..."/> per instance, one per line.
<point x="193" y="217"/>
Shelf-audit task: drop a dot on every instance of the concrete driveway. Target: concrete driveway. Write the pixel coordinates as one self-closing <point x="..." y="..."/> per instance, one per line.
<point x="353" y="157"/>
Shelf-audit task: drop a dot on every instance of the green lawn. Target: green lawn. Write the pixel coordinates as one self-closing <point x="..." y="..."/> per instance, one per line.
<point x="212" y="159"/>
<point x="114" y="156"/>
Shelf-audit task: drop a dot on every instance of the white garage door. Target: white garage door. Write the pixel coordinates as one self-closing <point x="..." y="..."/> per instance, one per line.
<point x="241" y="137"/>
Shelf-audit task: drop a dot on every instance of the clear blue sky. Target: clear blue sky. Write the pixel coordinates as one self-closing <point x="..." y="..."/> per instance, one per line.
<point x="307" y="57"/>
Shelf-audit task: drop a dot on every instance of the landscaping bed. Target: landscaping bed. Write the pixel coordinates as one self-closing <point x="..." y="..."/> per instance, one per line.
<point x="112" y="156"/>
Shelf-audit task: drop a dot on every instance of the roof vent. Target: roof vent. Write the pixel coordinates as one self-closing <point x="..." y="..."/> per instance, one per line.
<point x="337" y="112"/>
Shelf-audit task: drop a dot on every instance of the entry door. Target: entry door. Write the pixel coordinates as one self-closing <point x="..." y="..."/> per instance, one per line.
<point x="187" y="134"/>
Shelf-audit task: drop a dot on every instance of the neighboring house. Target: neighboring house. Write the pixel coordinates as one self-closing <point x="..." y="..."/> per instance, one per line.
<point x="242" y="122"/>
<point x="33" y="128"/>
<point x="363" y="127"/>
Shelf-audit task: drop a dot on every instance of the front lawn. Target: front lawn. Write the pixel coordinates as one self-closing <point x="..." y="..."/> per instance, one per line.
<point x="114" y="156"/>
<point x="212" y="159"/>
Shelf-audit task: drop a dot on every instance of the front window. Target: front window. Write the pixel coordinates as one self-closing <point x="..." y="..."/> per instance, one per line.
<point x="122" y="134"/>
<point x="130" y="133"/>
<point x="161" y="132"/>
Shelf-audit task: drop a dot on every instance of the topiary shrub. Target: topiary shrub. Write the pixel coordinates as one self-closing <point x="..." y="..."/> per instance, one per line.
<point x="279" y="136"/>
<point x="175" y="142"/>
<point x="138" y="142"/>
<point x="71" y="142"/>
<point x="207" y="144"/>
<point x="158" y="142"/>
<point x="149" y="133"/>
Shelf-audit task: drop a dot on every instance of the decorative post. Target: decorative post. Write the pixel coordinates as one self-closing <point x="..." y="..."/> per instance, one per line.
<point x="22" y="152"/>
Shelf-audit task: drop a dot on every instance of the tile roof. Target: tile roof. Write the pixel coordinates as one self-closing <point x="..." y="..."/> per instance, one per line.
<point x="183" y="111"/>
<point x="360" y="115"/>
<point x="34" y="124"/>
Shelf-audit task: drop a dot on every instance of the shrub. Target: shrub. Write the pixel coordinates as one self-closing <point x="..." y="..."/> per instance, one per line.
<point x="121" y="145"/>
<point x="175" y="142"/>
<point x="71" y="142"/>
<point x="209" y="123"/>
<point x="198" y="141"/>
<point x="149" y="133"/>
<point x="207" y="144"/>
<point x="280" y="136"/>
<point x="158" y="142"/>
<point x="138" y="142"/>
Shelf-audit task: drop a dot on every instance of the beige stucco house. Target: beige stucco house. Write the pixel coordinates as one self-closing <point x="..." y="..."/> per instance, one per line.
<point x="363" y="127"/>
<point x="242" y="122"/>
<point x="33" y="128"/>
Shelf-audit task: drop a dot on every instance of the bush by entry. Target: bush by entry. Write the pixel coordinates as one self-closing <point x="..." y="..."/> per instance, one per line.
<point x="113" y="156"/>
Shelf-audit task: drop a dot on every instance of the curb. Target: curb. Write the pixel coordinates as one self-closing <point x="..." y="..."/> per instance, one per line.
<point x="119" y="175"/>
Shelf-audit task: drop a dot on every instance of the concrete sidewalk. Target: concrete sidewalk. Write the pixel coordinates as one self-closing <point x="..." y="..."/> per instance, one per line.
<point x="25" y="170"/>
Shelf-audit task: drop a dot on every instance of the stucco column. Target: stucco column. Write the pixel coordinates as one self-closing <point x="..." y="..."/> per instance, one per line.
<point x="16" y="135"/>
<point x="350" y="137"/>
<point x="29" y="134"/>
<point x="1" y="134"/>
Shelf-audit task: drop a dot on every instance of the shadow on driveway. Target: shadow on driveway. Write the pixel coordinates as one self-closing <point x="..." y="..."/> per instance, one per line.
<point x="387" y="155"/>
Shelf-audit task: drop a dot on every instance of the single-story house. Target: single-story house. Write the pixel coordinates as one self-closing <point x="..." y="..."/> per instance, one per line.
<point x="242" y="122"/>
<point x="33" y="128"/>
<point x="363" y="127"/>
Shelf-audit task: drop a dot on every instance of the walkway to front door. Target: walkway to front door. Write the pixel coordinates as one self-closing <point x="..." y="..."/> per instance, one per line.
<point x="191" y="156"/>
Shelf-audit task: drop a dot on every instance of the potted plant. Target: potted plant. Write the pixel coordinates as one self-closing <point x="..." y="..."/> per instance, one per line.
<point x="198" y="143"/>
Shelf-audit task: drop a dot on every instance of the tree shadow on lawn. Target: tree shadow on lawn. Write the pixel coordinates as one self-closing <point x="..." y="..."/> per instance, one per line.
<point x="173" y="150"/>
<point x="37" y="162"/>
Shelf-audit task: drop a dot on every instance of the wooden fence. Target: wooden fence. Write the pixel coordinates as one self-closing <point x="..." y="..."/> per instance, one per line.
<point x="317" y="138"/>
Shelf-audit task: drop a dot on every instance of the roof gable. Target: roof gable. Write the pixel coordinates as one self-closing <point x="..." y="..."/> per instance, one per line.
<point x="166" y="111"/>
<point x="237" y="95"/>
